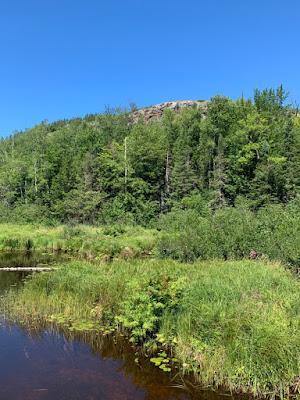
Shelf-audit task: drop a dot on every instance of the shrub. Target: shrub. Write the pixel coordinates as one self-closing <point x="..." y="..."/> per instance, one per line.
<point x="231" y="233"/>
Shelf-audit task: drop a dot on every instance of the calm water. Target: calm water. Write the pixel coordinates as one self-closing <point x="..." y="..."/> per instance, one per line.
<point x="56" y="366"/>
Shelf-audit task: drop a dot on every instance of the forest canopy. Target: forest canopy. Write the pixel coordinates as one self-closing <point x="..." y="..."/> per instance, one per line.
<point x="103" y="168"/>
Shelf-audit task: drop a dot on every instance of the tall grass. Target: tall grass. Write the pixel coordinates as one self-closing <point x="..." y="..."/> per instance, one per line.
<point x="90" y="242"/>
<point x="233" y="324"/>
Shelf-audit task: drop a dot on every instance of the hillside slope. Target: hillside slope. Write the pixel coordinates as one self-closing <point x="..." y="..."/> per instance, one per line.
<point x="183" y="154"/>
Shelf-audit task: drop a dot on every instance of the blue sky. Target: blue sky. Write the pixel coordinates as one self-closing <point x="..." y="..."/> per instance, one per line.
<point x="63" y="58"/>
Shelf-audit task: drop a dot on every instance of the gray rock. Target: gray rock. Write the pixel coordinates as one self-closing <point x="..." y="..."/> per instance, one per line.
<point x="154" y="113"/>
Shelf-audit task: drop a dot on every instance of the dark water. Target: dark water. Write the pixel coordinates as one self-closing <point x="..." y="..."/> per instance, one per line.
<point x="52" y="365"/>
<point x="28" y="259"/>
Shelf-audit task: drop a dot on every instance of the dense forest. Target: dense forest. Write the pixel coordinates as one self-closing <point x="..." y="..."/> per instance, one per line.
<point x="102" y="168"/>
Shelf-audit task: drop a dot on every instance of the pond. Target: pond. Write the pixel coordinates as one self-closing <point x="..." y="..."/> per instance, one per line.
<point x="51" y="365"/>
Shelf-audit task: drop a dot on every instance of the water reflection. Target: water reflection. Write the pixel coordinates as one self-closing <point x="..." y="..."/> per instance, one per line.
<point x="51" y="366"/>
<point x="29" y="259"/>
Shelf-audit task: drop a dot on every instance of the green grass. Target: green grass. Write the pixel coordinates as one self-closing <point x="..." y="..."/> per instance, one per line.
<point x="235" y="325"/>
<point x="105" y="242"/>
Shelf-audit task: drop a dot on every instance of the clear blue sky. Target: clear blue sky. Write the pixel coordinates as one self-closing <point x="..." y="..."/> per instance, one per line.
<point x="63" y="58"/>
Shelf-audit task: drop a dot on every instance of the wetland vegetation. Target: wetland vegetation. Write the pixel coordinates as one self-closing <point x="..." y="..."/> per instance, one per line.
<point x="234" y="325"/>
<point x="40" y="361"/>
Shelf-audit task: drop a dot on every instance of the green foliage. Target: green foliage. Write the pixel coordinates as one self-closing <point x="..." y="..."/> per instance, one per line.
<point x="162" y="361"/>
<point x="232" y="232"/>
<point x="241" y="321"/>
<point x="148" y="299"/>
<point x="232" y="324"/>
<point x="83" y="241"/>
<point x="186" y="237"/>
<point x="104" y="169"/>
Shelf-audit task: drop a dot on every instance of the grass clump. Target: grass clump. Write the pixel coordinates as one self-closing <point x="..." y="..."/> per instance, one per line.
<point x="234" y="324"/>
<point x="239" y="327"/>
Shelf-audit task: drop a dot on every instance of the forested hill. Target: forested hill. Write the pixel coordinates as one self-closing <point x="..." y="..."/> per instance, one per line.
<point x="105" y="168"/>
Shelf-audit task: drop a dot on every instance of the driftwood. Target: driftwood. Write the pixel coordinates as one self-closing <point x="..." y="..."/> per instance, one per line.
<point x="29" y="269"/>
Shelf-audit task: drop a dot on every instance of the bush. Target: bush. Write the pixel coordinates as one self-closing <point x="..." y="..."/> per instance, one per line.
<point x="27" y="214"/>
<point x="186" y="237"/>
<point x="231" y="233"/>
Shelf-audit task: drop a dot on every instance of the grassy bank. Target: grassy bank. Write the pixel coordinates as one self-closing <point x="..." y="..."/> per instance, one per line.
<point x="233" y="324"/>
<point x="187" y="235"/>
<point x="105" y="242"/>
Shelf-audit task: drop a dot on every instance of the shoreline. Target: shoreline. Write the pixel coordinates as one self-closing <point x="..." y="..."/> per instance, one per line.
<point x="214" y="316"/>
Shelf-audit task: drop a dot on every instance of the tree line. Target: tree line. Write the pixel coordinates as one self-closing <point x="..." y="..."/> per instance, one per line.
<point x="103" y="169"/>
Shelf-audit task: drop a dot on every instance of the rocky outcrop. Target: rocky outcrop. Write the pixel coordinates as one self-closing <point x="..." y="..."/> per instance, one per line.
<point x="154" y="113"/>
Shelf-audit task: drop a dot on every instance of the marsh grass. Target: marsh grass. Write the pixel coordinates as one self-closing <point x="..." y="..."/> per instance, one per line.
<point x="234" y="324"/>
<point x="85" y="241"/>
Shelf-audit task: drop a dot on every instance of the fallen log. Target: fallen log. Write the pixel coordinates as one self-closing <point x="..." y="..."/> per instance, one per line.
<point x="29" y="269"/>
